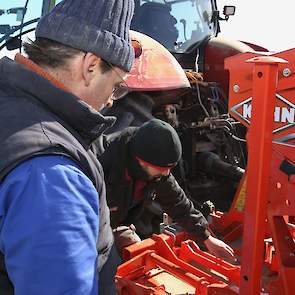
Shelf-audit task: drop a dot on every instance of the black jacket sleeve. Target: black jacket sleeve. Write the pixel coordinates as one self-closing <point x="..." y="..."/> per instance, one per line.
<point x="175" y="203"/>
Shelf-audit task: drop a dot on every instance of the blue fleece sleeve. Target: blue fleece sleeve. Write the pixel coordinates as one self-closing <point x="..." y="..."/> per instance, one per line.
<point x="49" y="214"/>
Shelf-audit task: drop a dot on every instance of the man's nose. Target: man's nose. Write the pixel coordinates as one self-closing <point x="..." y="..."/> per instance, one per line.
<point x="109" y="103"/>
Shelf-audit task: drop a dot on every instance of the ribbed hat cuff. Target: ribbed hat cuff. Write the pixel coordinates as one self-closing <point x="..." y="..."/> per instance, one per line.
<point x="71" y="31"/>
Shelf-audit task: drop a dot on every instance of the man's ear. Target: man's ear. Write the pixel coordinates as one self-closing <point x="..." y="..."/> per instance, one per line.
<point x="90" y="67"/>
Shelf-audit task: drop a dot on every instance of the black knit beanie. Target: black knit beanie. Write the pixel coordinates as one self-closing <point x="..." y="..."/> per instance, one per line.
<point x="97" y="26"/>
<point x="157" y="143"/>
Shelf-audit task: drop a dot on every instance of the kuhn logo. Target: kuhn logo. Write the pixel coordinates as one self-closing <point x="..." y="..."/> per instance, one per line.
<point x="284" y="114"/>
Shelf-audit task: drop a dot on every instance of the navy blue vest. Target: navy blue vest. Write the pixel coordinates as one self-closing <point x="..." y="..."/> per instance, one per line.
<point x="37" y="118"/>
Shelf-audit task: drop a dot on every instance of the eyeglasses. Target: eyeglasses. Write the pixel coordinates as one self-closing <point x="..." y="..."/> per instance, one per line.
<point x="120" y="89"/>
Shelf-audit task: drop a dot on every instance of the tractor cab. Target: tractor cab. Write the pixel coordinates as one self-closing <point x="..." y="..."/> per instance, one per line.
<point x="179" y="25"/>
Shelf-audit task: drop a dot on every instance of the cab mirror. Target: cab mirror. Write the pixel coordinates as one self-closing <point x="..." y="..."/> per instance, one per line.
<point x="229" y="10"/>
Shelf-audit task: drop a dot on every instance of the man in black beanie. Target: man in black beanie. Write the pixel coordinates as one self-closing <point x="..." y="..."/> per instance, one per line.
<point x="137" y="163"/>
<point x="55" y="234"/>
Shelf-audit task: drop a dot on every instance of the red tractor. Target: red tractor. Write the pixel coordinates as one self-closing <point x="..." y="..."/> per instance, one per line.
<point x="260" y="223"/>
<point x="214" y="149"/>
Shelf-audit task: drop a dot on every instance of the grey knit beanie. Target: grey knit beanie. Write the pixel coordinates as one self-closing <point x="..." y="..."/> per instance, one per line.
<point x="97" y="26"/>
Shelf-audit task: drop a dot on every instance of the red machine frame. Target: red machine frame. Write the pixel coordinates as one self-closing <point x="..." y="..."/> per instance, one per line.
<point x="270" y="187"/>
<point x="264" y="208"/>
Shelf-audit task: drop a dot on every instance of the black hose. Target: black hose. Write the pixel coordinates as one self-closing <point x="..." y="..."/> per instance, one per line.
<point x="21" y="24"/>
<point x="211" y="163"/>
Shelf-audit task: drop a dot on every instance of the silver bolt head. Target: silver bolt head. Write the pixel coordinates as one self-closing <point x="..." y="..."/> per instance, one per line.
<point x="236" y="88"/>
<point x="286" y="72"/>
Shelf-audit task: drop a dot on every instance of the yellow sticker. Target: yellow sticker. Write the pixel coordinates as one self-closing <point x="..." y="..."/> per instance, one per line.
<point x="240" y="202"/>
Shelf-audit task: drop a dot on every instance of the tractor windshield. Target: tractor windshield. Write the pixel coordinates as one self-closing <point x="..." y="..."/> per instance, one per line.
<point x="18" y="18"/>
<point x="15" y="14"/>
<point x="177" y="24"/>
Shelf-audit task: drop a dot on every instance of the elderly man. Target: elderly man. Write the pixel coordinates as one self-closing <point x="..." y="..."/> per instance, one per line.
<point x="54" y="221"/>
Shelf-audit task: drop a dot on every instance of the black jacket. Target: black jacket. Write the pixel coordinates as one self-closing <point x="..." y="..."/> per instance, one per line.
<point x="38" y="118"/>
<point x="114" y="155"/>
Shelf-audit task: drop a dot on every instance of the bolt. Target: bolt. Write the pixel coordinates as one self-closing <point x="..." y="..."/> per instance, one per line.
<point x="291" y="254"/>
<point x="236" y="88"/>
<point x="286" y="72"/>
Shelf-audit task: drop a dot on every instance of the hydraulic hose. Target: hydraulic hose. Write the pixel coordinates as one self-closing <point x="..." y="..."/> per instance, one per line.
<point x="211" y="163"/>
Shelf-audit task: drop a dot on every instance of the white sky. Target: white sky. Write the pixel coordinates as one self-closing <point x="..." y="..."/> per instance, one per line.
<point x="268" y="23"/>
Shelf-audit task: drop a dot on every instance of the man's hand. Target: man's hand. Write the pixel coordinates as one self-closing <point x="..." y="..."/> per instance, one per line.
<point x="219" y="249"/>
